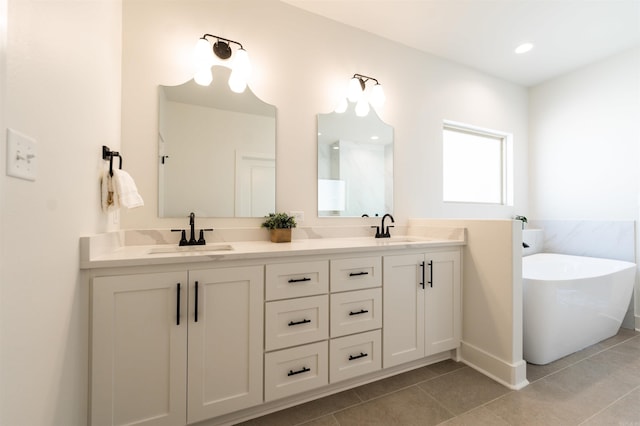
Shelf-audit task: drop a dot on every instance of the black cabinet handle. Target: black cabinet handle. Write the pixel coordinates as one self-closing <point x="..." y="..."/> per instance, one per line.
<point x="362" y="355"/>
<point x="299" y="280"/>
<point x="293" y="373"/>
<point x="431" y="273"/>
<point x="195" y="313"/>
<point x="361" y="311"/>
<point x="422" y="266"/>
<point x="357" y="274"/>
<point x="304" y="321"/>
<point x="178" y="304"/>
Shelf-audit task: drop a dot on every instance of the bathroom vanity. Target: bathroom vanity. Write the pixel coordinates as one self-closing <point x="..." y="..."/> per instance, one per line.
<point x="184" y="336"/>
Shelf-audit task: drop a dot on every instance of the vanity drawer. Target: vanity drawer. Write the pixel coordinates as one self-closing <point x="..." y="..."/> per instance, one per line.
<point x="355" y="274"/>
<point x="356" y="311"/>
<point x="295" y="370"/>
<point x="355" y="355"/>
<point x="287" y="280"/>
<point x="296" y="321"/>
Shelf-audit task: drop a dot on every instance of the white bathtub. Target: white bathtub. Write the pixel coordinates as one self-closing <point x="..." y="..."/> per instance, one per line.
<point x="571" y="302"/>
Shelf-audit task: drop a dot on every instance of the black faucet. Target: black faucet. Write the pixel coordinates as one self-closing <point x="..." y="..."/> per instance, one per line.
<point x="192" y="237"/>
<point x="380" y="230"/>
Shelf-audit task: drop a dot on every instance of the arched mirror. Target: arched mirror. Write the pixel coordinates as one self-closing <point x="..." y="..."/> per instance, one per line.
<point x="355" y="164"/>
<point x="216" y="151"/>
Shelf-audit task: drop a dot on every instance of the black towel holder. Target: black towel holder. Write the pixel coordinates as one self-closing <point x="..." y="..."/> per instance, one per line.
<point x="107" y="154"/>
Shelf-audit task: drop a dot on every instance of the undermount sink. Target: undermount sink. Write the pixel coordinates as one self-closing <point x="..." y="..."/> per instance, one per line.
<point x="191" y="249"/>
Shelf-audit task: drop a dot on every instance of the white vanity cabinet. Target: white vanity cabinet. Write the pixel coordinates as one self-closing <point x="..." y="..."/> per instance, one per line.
<point x="225" y="341"/>
<point x="355" y="347"/>
<point x="422" y="305"/>
<point x="139" y="349"/>
<point x="296" y="327"/>
<point x="218" y="339"/>
<point x="156" y="340"/>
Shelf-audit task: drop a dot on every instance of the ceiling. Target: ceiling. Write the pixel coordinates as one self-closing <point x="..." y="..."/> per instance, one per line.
<point x="482" y="34"/>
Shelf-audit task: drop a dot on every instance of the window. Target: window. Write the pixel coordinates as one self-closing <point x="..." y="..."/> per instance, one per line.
<point x="475" y="165"/>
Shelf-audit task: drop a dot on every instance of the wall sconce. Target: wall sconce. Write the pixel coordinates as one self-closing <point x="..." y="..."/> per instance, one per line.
<point x="204" y="59"/>
<point x="356" y="93"/>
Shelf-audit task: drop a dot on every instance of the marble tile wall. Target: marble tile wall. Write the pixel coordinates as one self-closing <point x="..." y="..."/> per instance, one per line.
<point x="607" y="239"/>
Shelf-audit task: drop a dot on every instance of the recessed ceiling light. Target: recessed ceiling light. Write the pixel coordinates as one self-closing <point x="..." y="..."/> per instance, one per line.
<point x="523" y="48"/>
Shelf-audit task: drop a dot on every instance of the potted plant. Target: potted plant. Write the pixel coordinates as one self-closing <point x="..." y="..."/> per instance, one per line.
<point x="279" y="226"/>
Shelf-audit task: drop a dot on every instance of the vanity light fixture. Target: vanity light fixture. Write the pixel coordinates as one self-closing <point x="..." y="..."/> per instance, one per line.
<point x="204" y="59"/>
<point x="356" y="92"/>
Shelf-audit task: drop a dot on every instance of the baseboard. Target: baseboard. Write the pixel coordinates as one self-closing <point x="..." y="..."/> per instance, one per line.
<point x="513" y="376"/>
<point x="637" y="318"/>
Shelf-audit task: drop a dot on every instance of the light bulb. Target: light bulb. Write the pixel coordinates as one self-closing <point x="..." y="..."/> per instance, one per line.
<point x="241" y="64"/>
<point x="342" y="106"/>
<point x="203" y="76"/>
<point x="202" y="54"/>
<point x="362" y="107"/>
<point x="377" y="97"/>
<point x="524" y="48"/>
<point x="237" y="83"/>
<point x="354" y="90"/>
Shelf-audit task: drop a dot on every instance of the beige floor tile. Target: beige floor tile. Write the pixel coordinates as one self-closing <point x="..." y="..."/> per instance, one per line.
<point x="408" y="407"/>
<point x="463" y="390"/>
<point x="308" y="411"/>
<point x="537" y="372"/>
<point x="537" y="404"/>
<point x="476" y="417"/>
<point x="446" y="366"/>
<point x="625" y="411"/>
<point x="394" y="383"/>
<point x="329" y="420"/>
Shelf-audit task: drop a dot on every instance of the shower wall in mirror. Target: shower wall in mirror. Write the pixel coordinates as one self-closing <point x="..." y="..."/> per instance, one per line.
<point x="355" y="164"/>
<point x="216" y="151"/>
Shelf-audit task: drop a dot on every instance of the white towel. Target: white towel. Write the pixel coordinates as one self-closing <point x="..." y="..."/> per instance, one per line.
<point x="110" y="201"/>
<point x="126" y="191"/>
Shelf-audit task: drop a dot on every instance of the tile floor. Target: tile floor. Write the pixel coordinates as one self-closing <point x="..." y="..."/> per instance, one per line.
<point x="597" y="386"/>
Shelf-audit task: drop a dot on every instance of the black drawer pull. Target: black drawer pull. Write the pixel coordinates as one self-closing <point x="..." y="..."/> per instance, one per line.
<point x="362" y="355"/>
<point x="299" y="280"/>
<point x="357" y="274"/>
<point x="361" y="311"/>
<point x="293" y="373"/>
<point x="178" y="304"/>
<point x="430" y="274"/>
<point x="304" y="321"/>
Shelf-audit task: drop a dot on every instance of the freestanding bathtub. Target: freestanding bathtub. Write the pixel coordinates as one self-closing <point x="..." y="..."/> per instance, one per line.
<point x="571" y="302"/>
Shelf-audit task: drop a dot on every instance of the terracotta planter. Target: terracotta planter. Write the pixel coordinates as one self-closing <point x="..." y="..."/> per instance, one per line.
<point x="282" y="235"/>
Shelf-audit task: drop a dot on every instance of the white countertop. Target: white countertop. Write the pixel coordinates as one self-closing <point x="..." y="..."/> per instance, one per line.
<point x="95" y="253"/>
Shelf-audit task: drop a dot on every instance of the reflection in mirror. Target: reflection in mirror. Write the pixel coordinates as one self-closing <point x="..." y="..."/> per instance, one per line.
<point x="355" y="164"/>
<point x="216" y="151"/>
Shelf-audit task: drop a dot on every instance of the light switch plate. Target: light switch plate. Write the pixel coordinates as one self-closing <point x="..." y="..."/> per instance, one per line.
<point x="22" y="159"/>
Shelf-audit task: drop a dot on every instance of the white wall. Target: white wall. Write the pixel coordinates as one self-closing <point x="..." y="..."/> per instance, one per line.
<point x="62" y="87"/>
<point x="584" y="144"/>
<point x="301" y="65"/>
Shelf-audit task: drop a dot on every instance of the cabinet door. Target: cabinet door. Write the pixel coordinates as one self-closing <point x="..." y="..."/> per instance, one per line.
<point x="225" y="340"/>
<point x="442" y="302"/>
<point x="138" y="350"/>
<point x="403" y="309"/>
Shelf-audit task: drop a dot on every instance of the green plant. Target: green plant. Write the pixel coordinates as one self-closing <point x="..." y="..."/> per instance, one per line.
<point x="279" y="221"/>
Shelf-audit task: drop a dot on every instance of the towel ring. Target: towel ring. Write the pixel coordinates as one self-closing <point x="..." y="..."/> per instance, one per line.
<point x="108" y="154"/>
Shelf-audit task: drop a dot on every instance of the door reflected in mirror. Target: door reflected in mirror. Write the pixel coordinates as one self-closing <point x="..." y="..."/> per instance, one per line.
<point x="355" y="164"/>
<point x="216" y="151"/>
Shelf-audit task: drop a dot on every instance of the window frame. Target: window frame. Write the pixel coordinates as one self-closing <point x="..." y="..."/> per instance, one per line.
<point x="506" y="160"/>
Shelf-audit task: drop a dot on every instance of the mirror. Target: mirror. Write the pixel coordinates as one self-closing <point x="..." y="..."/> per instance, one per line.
<point x="355" y="164"/>
<point x="216" y="151"/>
